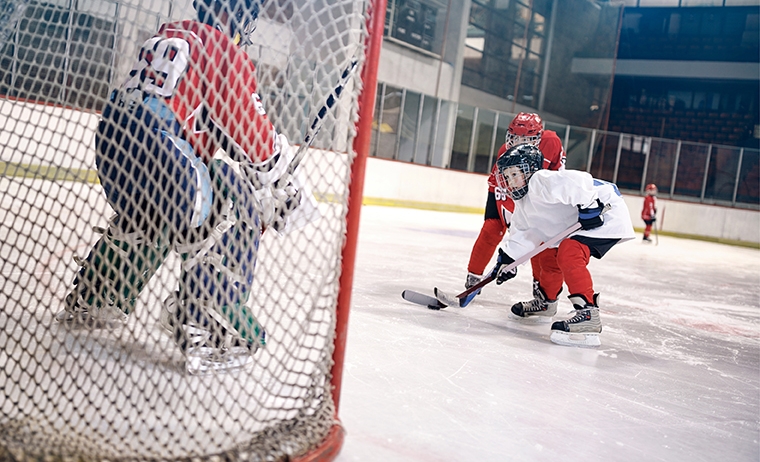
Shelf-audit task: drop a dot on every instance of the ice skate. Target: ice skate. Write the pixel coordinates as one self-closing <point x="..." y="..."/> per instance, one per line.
<point x="583" y="328"/>
<point x="77" y="313"/>
<point x="646" y="239"/>
<point x="538" y="310"/>
<point x="472" y="279"/>
<point x="207" y="344"/>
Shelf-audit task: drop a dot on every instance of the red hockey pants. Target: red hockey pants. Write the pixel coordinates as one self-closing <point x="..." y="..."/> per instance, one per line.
<point x="569" y="262"/>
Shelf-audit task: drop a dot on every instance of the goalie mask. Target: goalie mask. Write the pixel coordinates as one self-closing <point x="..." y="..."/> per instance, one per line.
<point x="516" y="167"/>
<point x="236" y="18"/>
<point x="525" y="128"/>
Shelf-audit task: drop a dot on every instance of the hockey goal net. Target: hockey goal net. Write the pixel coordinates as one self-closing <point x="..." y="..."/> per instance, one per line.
<point x="121" y="391"/>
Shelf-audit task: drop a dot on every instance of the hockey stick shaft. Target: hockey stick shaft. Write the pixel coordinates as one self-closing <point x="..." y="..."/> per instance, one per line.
<point x="318" y="122"/>
<point x="313" y="129"/>
<point x="559" y="237"/>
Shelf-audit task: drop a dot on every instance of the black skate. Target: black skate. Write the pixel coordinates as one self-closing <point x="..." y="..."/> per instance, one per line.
<point x="583" y="328"/>
<point x="540" y="309"/>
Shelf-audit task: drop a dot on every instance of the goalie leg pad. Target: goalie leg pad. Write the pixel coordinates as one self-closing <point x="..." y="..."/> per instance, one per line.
<point x="113" y="275"/>
<point x="218" y="271"/>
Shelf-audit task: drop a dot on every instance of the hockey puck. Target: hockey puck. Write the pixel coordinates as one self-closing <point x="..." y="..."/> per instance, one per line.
<point x="435" y="307"/>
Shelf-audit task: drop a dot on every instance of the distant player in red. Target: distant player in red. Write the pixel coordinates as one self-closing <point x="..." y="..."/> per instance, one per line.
<point x="649" y="212"/>
<point x="525" y="128"/>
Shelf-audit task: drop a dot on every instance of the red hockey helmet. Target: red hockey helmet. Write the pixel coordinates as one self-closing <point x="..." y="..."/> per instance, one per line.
<point x="651" y="189"/>
<point x="525" y="128"/>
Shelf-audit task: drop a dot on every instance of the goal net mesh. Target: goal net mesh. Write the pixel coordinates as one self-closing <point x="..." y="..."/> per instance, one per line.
<point x="121" y="390"/>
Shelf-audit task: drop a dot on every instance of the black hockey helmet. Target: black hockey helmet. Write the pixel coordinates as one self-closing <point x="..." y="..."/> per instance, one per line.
<point x="528" y="160"/>
<point x="242" y="16"/>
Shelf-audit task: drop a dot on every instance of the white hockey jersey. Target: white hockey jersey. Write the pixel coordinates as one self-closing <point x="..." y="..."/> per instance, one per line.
<point x="550" y="207"/>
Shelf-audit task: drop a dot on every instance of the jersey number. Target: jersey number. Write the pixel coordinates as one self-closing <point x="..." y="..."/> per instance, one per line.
<point x="163" y="62"/>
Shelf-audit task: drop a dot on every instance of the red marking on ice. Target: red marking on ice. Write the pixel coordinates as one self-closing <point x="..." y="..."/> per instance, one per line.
<point x="719" y="328"/>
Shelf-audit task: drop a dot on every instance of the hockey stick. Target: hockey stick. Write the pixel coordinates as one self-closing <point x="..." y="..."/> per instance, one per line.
<point x="311" y="132"/>
<point x="464" y="298"/>
<point x="656" y="233"/>
<point x="442" y="300"/>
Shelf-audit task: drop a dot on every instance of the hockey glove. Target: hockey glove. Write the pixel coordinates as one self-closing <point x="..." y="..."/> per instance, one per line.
<point x="499" y="271"/>
<point x="591" y="217"/>
<point x="278" y="203"/>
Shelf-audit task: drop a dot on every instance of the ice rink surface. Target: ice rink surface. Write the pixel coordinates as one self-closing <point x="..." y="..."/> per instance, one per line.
<point x="677" y="377"/>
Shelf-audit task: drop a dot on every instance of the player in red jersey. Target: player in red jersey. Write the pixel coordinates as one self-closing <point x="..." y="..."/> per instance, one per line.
<point x="524" y="128"/>
<point x="191" y="92"/>
<point x="649" y="211"/>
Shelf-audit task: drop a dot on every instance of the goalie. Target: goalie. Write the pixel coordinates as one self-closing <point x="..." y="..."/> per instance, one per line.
<point x="191" y="93"/>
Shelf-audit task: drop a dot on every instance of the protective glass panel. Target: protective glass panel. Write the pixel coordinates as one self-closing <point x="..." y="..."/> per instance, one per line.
<point x="462" y="137"/>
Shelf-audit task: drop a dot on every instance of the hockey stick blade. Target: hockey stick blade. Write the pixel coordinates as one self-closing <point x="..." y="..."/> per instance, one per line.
<point x="422" y="299"/>
<point x="463" y="297"/>
<point x="447" y="299"/>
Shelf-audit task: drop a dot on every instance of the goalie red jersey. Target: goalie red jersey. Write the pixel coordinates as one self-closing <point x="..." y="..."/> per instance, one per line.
<point x="209" y="83"/>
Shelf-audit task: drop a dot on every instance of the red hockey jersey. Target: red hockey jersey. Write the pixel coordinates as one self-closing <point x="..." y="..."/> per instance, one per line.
<point x="198" y="70"/>
<point x="649" y="211"/>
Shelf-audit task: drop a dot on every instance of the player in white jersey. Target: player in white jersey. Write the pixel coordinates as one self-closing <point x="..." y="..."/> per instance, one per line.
<point x="546" y="203"/>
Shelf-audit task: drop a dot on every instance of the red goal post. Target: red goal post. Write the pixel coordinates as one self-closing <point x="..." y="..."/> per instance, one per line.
<point x="122" y="392"/>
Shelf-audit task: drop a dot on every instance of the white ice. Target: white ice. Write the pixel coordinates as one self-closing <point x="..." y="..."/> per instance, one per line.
<point x="677" y="377"/>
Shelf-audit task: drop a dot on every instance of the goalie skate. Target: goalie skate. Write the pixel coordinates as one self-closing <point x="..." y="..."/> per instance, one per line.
<point x="207" y="355"/>
<point x="78" y="314"/>
<point x="207" y="344"/>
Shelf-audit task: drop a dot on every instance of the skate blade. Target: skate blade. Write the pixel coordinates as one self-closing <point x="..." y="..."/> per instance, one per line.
<point x="575" y="339"/>
<point x="531" y="320"/>
<point x="199" y="365"/>
<point x="76" y="322"/>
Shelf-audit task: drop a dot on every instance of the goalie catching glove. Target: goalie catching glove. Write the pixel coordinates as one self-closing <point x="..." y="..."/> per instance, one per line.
<point x="285" y="200"/>
<point x="278" y="204"/>
<point x="500" y="272"/>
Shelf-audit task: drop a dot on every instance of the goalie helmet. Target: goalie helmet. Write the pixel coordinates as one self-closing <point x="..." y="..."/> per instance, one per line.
<point x="525" y="128"/>
<point x="651" y="189"/>
<point x="236" y="18"/>
<point x="516" y="167"/>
